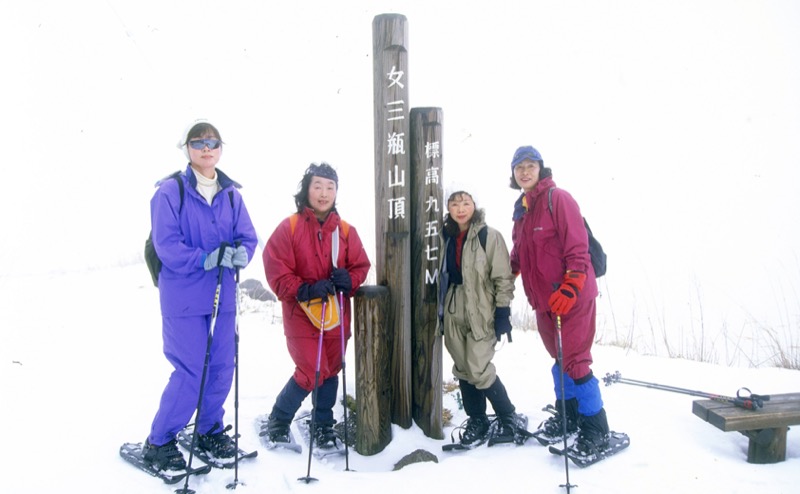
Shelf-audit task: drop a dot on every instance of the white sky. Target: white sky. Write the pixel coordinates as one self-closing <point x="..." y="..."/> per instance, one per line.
<point x="674" y="124"/>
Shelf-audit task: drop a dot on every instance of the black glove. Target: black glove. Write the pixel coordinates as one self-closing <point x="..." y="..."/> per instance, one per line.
<point x="320" y="289"/>
<point x="502" y="322"/>
<point x="341" y="280"/>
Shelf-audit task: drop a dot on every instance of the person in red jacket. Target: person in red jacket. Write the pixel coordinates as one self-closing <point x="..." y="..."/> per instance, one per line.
<point x="299" y="267"/>
<point x="551" y="253"/>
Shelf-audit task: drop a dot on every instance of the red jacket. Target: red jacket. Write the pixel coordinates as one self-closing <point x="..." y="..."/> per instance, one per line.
<point x="547" y="244"/>
<point x="304" y="256"/>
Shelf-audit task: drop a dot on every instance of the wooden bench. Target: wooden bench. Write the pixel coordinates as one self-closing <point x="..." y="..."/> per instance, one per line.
<point x="766" y="427"/>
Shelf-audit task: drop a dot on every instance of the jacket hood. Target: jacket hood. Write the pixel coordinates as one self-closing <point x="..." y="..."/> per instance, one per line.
<point x="520" y="207"/>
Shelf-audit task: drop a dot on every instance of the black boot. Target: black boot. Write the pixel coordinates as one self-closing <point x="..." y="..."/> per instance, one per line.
<point x="508" y="422"/>
<point x="593" y="435"/>
<point x="551" y="431"/>
<point x="277" y="430"/>
<point x="286" y="405"/>
<point x="218" y="442"/>
<point x="571" y="406"/>
<point x="476" y="430"/>
<point x="325" y="436"/>
<point x="473" y="398"/>
<point x="498" y="396"/>
<point x="164" y="457"/>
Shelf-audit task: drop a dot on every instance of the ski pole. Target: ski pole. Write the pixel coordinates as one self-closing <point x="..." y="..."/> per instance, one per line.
<point x="563" y="402"/>
<point x="749" y="401"/>
<point x="335" y="260"/>
<point x="344" y="385"/>
<point x="236" y="482"/>
<point x="308" y="478"/>
<point x="214" y="311"/>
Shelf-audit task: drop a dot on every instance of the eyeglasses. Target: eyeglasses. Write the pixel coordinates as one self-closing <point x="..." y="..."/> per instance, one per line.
<point x="201" y="143"/>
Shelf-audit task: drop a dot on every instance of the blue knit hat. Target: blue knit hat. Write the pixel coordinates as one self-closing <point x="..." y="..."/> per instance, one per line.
<point x="323" y="170"/>
<point x="525" y="153"/>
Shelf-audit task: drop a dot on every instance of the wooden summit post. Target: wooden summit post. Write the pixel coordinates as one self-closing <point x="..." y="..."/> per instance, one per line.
<point x="427" y="211"/>
<point x="373" y="369"/>
<point x="392" y="209"/>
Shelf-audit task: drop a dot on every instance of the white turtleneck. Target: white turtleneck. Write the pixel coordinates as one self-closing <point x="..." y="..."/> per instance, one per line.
<point x="207" y="187"/>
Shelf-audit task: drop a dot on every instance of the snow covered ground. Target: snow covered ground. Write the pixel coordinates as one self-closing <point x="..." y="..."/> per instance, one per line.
<point x="81" y="372"/>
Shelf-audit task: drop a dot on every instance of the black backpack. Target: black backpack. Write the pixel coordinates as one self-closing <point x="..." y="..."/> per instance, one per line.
<point x="482" y="237"/>
<point x="596" y="252"/>
<point x="150" y="255"/>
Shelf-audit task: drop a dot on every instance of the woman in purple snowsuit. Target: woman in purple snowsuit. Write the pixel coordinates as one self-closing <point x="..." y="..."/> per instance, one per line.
<point x="551" y="253"/>
<point x="198" y="229"/>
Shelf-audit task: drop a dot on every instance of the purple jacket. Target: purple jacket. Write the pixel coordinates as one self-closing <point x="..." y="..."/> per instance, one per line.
<point x="547" y="244"/>
<point x="182" y="235"/>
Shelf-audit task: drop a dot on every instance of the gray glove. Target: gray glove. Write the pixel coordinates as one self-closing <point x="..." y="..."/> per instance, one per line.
<point x="217" y="258"/>
<point x="239" y="258"/>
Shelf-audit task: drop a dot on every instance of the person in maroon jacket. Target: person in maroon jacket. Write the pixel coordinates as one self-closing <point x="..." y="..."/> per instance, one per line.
<point x="299" y="267"/>
<point x="551" y="253"/>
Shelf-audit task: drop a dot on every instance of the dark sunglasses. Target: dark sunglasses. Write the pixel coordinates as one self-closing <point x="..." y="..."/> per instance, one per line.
<point x="201" y="143"/>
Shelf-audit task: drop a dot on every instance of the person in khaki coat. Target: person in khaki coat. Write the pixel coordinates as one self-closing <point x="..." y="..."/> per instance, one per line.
<point x="476" y="287"/>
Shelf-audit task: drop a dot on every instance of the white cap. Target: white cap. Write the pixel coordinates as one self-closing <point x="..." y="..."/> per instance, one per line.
<point x="455" y="186"/>
<point x="182" y="142"/>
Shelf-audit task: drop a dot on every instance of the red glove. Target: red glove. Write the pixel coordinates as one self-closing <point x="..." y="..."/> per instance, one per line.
<point x="562" y="300"/>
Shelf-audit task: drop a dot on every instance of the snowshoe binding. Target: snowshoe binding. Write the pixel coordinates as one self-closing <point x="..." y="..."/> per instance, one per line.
<point x="215" y="448"/>
<point x="160" y="461"/>
<point x="277" y="434"/>
<point x="588" y="449"/>
<point x="326" y="440"/>
<point x="471" y="433"/>
<point x="551" y="431"/>
<point x="509" y="429"/>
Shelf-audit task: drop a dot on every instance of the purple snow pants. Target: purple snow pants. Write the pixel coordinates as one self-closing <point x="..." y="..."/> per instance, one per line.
<point x="185" y="341"/>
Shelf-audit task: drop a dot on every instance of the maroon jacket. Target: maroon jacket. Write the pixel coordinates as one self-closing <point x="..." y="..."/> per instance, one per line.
<point x="304" y="256"/>
<point x="547" y="244"/>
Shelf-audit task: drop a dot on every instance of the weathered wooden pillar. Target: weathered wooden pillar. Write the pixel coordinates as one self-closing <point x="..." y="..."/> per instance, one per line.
<point x="766" y="445"/>
<point x="392" y="208"/>
<point x="426" y="211"/>
<point x="373" y="340"/>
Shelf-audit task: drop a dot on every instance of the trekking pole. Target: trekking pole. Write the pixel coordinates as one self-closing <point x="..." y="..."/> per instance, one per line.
<point x="236" y="482"/>
<point x="563" y="402"/>
<point x="308" y="478"/>
<point x="344" y="385"/>
<point x="744" y="397"/>
<point x="214" y="311"/>
<point x="335" y="259"/>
